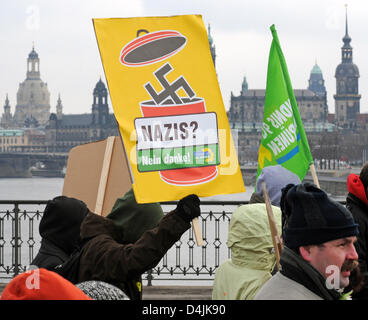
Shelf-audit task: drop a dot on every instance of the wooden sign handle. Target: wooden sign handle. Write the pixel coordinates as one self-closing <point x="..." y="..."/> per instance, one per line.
<point x="274" y="233"/>
<point x="197" y="232"/>
<point x="104" y="174"/>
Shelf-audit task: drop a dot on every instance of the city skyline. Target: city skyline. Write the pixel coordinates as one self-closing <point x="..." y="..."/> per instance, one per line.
<point x="63" y="36"/>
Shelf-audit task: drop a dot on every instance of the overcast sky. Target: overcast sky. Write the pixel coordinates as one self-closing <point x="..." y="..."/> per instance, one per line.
<point x="63" y="36"/>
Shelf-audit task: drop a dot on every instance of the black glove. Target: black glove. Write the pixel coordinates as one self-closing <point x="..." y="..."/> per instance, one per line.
<point x="188" y="208"/>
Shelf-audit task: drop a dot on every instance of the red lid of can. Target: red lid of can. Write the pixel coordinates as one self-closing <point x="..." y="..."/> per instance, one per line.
<point x="152" y="47"/>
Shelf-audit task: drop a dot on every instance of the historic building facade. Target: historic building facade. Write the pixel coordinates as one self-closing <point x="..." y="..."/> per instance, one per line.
<point x="60" y="132"/>
<point x="246" y="110"/>
<point x="65" y="131"/>
<point x="342" y="134"/>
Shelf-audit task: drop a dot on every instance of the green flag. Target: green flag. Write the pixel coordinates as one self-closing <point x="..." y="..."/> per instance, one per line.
<point x="284" y="141"/>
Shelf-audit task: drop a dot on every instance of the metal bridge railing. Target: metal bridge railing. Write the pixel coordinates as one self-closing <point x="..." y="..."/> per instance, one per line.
<point x="20" y="241"/>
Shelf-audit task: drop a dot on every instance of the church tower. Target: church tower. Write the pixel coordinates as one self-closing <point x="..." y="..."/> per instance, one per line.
<point x="347" y="97"/>
<point x="212" y="46"/>
<point x="59" y="109"/>
<point x="6" y="119"/>
<point x="33" y="97"/>
<point x="244" y="86"/>
<point x="100" y="108"/>
<point x="316" y="83"/>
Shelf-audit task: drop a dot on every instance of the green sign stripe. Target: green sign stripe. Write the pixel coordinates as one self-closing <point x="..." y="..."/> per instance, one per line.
<point x="177" y="158"/>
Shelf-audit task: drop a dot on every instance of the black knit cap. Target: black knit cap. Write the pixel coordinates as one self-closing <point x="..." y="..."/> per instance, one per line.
<point x="311" y="217"/>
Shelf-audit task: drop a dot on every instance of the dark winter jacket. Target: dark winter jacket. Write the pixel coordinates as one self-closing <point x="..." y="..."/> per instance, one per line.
<point x="105" y="257"/>
<point x="59" y="229"/>
<point x="49" y="255"/>
<point x="357" y="203"/>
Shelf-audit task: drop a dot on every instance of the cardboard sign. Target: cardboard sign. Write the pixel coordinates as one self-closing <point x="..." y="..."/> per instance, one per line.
<point x="97" y="173"/>
<point x="167" y="101"/>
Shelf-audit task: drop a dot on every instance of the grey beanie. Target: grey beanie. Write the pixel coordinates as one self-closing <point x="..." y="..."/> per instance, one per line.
<point x="99" y="290"/>
<point x="275" y="178"/>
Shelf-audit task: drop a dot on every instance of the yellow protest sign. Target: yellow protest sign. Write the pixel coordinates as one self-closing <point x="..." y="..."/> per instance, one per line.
<point x="167" y="101"/>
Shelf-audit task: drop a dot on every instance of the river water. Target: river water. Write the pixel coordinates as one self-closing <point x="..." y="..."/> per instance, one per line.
<point x="30" y="188"/>
<point x="178" y="257"/>
<point x="47" y="188"/>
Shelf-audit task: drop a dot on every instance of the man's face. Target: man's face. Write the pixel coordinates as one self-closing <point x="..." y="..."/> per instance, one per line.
<point x="334" y="256"/>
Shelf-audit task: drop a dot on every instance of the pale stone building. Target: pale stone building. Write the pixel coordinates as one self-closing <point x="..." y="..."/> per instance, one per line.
<point x="22" y="140"/>
<point x="33" y="97"/>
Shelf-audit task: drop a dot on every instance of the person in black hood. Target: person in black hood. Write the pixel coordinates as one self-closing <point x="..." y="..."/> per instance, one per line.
<point x="116" y="249"/>
<point x="60" y="231"/>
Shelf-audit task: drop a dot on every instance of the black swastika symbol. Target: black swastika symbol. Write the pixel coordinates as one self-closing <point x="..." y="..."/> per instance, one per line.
<point x="169" y="89"/>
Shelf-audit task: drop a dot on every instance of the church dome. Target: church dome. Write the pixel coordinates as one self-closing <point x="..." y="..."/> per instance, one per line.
<point x="53" y="117"/>
<point x="347" y="70"/>
<point x="316" y="82"/>
<point x="100" y="88"/>
<point x="33" y="54"/>
<point x="316" y="69"/>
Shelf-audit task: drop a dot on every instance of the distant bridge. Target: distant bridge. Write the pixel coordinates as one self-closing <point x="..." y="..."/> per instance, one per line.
<point x="17" y="164"/>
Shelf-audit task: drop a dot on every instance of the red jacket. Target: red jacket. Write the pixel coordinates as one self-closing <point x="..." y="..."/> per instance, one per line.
<point x="357" y="203"/>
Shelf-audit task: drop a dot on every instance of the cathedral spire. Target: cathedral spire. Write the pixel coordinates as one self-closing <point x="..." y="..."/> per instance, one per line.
<point x="6" y="105"/>
<point x="346" y="50"/>
<point x="6" y="100"/>
<point x="346" y="21"/>
<point x="244" y="86"/>
<point x="59" y="108"/>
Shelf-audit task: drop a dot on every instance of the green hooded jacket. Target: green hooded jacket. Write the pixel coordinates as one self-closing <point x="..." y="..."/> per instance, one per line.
<point x="132" y="218"/>
<point x="252" y="254"/>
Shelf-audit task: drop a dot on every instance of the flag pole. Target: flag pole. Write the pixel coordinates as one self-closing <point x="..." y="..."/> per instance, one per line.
<point x="274" y="233"/>
<point x="314" y="175"/>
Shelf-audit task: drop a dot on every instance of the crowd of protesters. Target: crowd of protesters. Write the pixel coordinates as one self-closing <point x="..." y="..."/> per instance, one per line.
<point x="85" y="256"/>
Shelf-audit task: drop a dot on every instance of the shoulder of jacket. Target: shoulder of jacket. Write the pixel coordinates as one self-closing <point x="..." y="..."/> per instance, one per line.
<point x="280" y="287"/>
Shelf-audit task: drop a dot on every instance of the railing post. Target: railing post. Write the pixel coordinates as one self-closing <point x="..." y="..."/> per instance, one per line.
<point x="16" y="238"/>
<point x="149" y="278"/>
